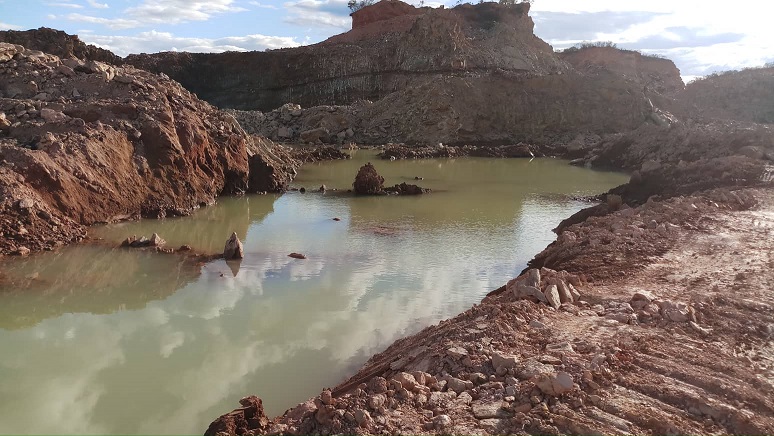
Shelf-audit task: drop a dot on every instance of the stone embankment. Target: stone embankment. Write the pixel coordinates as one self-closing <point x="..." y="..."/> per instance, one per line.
<point x="83" y="142"/>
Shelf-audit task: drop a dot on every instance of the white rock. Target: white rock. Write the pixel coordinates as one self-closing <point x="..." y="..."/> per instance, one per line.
<point x="406" y="380"/>
<point x="442" y="421"/>
<point x="501" y="360"/>
<point x="555" y="384"/>
<point x="457" y="353"/>
<point x="52" y="116"/>
<point x="552" y="295"/>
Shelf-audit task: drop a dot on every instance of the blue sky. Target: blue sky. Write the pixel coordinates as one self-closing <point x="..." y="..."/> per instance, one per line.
<point x="700" y="36"/>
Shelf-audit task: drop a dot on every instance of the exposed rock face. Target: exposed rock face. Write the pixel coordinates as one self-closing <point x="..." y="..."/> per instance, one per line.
<point x="382" y="11"/>
<point x="402" y="46"/>
<point x="657" y="75"/>
<point x="368" y="181"/>
<point x="98" y="143"/>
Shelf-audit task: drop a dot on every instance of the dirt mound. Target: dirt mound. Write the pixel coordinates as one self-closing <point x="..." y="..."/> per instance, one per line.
<point x="59" y="43"/>
<point x="368" y="181"/>
<point x="88" y="142"/>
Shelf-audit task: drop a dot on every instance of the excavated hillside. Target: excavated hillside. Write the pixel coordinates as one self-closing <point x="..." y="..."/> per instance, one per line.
<point x="746" y="95"/>
<point x="386" y="51"/>
<point x="474" y="73"/>
<point x="83" y="142"/>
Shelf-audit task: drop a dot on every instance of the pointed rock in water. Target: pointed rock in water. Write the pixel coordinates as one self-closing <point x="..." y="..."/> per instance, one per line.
<point x="297" y="256"/>
<point x="233" y="248"/>
<point x="368" y="181"/>
<point x="156" y="241"/>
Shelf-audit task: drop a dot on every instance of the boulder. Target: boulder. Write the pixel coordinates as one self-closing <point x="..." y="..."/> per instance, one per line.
<point x="552" y="295"/>
<point x="368" y="181"/>
<point x="554" y="384"/>
<point x="250" y="416"/>
<point x="532" y="278"/>
<point x="52" y="116"/>
<point x="156" y="240"/>
<point x="233" y="248"/>
<point x="314" y="135"/>
<point x="500" y="360"/>
<point x="406" y="380"/>
<point x="441" y="422"/>
<point x="458" y="385"/>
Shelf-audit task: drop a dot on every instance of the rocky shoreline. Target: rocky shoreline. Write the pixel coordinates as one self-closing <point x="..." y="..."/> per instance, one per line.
<point x="645" y="319"/>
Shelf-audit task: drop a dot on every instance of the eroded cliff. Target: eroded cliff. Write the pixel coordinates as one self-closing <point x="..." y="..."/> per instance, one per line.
<point x="87" y="142"/>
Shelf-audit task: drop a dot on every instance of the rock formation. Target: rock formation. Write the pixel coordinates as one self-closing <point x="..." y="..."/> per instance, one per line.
<point x="83" y="142"/>
<point x="471" y="74"/>
<point x="368" y="181"/>
<point x="233" y="249"/>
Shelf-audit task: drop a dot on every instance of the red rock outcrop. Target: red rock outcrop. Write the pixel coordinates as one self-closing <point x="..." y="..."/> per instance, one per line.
<point x="87" y="142"/>
<point x="381" y="11"/>
<point x="394" y="47"/>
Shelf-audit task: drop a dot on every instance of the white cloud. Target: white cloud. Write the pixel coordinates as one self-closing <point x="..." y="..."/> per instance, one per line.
<point x="328" y="13"/>
<point x="153" y="41"/>
<point x="263" y="6"/>
<point x="180" y="11"/>
<point x="97" y="5"/>
<point x="112" y="23"/>
<point x="159" y="12"/>
<point x="6" y="26"/>
<point x="700" y="37"/>
<point x="65" y="5"/>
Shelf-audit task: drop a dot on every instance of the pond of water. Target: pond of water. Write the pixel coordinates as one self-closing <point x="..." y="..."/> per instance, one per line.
<point x="96" y="339"/>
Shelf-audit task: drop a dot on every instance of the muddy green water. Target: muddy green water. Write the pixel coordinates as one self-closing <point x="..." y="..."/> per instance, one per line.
<point x="106" y="340"/>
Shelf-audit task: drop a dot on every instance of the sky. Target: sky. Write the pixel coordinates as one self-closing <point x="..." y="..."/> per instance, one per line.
<point x="702" y="37"/>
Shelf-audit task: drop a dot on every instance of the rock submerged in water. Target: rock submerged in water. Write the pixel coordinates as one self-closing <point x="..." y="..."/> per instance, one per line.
<point x="154" y="241"/>
<point x="233" y="248"/>
<point x="406" y="189"/>
<point x="297" y="256"/>
<point x="368" y="181"/>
